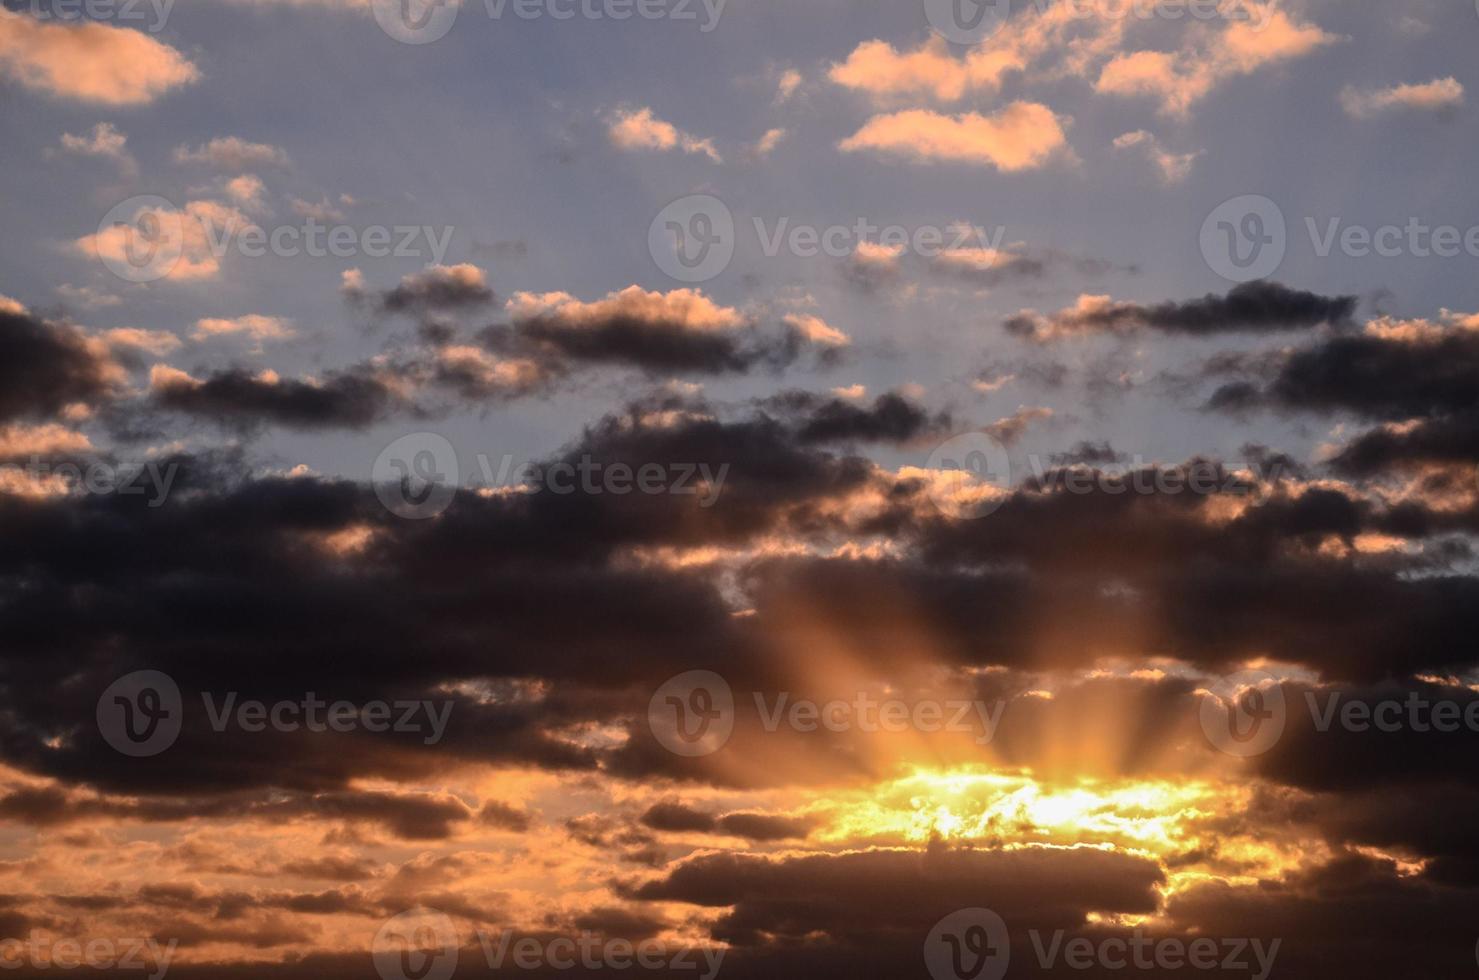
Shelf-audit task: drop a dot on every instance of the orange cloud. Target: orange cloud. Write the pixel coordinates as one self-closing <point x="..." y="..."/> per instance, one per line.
<point x="1022" y="136"/>
<point x="90" y="61"/>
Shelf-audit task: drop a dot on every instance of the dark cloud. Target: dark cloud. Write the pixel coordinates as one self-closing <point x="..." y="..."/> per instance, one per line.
<point x="435" y="288"/>
<point x="1381" y="377"/>
<point x="891" y="418"/>
<point x="1453" y="439"/>
<point x="46" y="366"/>
<point x="1418" y="375"/>
<point x="1257" y="307"/>
<point x="1089" y="453"/>
<point x="239" y="399"/>
<point x="866" y="899"/>
<point x="654" y="338"/>
<point x="678" y="818"/>
<point x="1020" y="264"/>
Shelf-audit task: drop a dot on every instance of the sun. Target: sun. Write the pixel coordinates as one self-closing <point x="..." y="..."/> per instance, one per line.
<point x="1193" y="828"/>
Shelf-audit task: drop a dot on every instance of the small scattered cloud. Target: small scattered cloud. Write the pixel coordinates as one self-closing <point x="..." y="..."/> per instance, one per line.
<point x="1442" y="96"/>
<point x="816" y="330"/>
<point x="86" y="297"/>
<point x="787" y="85"/>
<point x="248" y="191"/>
<point x="232" y="153"/>
<point x="768" y="142"/>
<point x="103" y="141"/>
<point x="639" y="129"/>
<point x="254" y="326"/>
<point x="1173" y="167"/>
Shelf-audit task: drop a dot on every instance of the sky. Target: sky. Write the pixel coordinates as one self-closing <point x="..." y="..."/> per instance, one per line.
<point x="755" y="489"/>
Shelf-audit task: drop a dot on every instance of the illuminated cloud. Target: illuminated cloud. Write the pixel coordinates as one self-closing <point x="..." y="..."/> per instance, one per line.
<point x="1022" y="136"/>
<point x="1259" y="307"/>
<point x="639" y="129"/>
<point x="1173" y="167"/>
<point x="231" y="153"/>
<point x="254" y="326"/>
<point x="103" y="141"/>
<point x="816" y="330"/>
<point x="1180" y="79"/>
<point x="877" y="69"/>
<point x="1441" y="95"/>
<point x="90" y="61"/>
<point x="182" y="245"/>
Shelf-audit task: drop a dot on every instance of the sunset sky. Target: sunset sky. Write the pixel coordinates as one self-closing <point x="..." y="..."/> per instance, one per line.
<point x="808" y="489"/>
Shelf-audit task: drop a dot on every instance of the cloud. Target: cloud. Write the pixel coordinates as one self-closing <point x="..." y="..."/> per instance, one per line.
<point x="1179" y="79"/>
<point x="1441" y="95"/>
<point x="252" y="325"/>
<point x="1010" y="430"/>
<point x="1393" y="370"/>
<point x="183" y="238"/>
<point x="87" y="297"/>
<point x="90" y="61"/>
<point x="248" y="192"/>
<point x="50" y="439"/>
<point x="786" y="85"/>
<point x="1259" y="307"/>
<point x="103" y="141"/>
<point x="639" y="129"/>
<point x="437" y="287"/>
<point x="1173" y="167"/>
<point x="475" y="373"/>
<point x="681" y="330"/>
<point x="157" y="342"/>
<point x="46" y="366"/>
<point x="816" y="330"/>
<point x="877" y="69"/>
<point x="1411" y="375"/>
<point x="320" y="211"/>
<point x="892" y="418"/>
<point x="232" y="153"/>
<point x="1022" y="136"/>
<point x="242" y="400"/>
<point x="1042" y="42"/>
<point x="867" y="899"/>
<point x="873" y="265"/>
<point x="677" y="818"/>
<point x="767" y="143"/>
